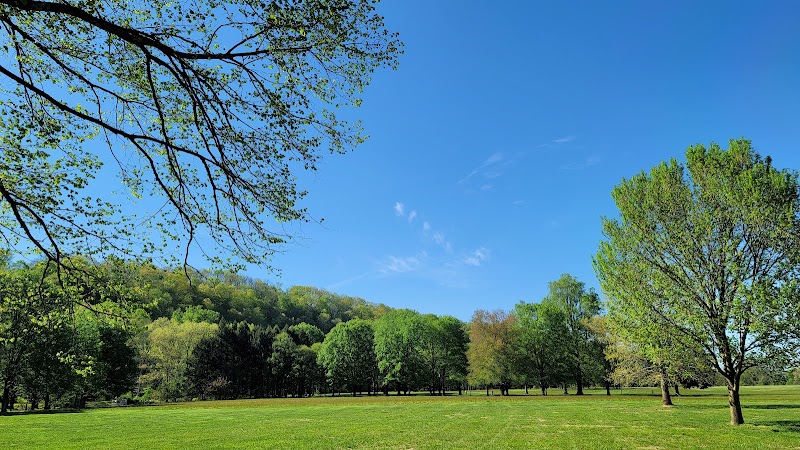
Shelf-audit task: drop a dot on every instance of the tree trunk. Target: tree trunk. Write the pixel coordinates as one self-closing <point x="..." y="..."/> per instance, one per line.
<point x="608" y="388"/>
<point x="565" y="389"/>
<point x="6" y="395"/>
<point x="735" y="404"/>
<point x="677" y="389"/>
<point x="579" y="382"/>
<point x="666" y="400"/>
<point x="487" y="391"/>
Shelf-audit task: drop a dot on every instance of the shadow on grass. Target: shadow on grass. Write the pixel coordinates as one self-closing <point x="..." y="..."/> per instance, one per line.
<point x="43" y="412"/>
<point x="792" y="426"/>
<point x="795" y="406"/>
<point x="657" y="393"/>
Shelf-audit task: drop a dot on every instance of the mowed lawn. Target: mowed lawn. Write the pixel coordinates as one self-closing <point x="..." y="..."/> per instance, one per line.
<point x="630" y="419"/>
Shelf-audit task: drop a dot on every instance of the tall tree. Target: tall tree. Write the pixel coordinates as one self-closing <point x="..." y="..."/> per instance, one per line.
<point x="33" y="314"/>
<point x="282" y="362"/>
<point x="578" y="305"/>
<point x="454" y="343"/>
<point x="171" y="345"/>
<point x="235" y="363"/>
<point x="211" y="109"/>
<point x="442" y="345"/>
<point x="307" y="374"/>
<point x="711" y="249"/>
<point x="491" y="352"/>
<point x="541" y="343"/>
<point x="397" y="349"/>
<point x="348" y="355"/>
<point x="602" y="339"/>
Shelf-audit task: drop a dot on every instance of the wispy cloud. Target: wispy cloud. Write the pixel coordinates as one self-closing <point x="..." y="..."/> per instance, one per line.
<point x="558" y="142"/>
<point x="438" y="259"/>
<point x="493" y="160"/>
<point x="393" y="264"/>
<point x="438" y="237"/>
<point x="446" y="271"/>
<point x="564" y="140"/>
<point x="440" y="240"/>
<point x="477" y="257"/>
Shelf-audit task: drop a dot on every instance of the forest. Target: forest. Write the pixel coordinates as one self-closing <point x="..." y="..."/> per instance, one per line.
<point x="160" y="335"/>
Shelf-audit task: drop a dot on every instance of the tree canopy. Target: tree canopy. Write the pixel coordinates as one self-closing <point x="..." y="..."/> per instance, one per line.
<point x="348" y="356"/>
<point x="578" y="305"/>
<point x="709" y="251"/>
<point x="207" y="110"/>
<point x="491" y="352"/>
<point x="542" y="339"/>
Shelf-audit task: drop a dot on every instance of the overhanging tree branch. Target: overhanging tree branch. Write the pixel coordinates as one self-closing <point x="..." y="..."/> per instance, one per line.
<point x="216" y="122"/>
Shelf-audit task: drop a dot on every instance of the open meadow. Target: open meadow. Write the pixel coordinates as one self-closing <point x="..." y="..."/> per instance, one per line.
<point x="627" y="419"/>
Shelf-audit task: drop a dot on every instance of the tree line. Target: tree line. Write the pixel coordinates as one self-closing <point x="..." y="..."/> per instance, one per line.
<point x="157" y="335"/>
<point x="109" y="328"/>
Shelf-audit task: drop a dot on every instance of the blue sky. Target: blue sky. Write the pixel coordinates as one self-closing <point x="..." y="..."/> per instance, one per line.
<point x="495" y="146"/>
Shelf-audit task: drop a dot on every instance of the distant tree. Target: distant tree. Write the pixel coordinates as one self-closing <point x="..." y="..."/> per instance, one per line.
<point x="764" y="376"/>
<point x="254" y="369"/>
<point x="306" y="334"/>
<point x="282" y="362"/>
<point x="793" y="376"/>
<point x="541" y="343"/>
<point x="442" y="345"/>
<point x="235" y="363"/>
<point x="307" y="374"/>
<point x="170" y="346"/>
<point x="54" y="367"/>
<point x="598" y="325"/>
<point x="208" y="368"/>
<point x="578" y="305"/>
<point x="114" y="369"/>
<point x="348" y="356"/>
<point x="397" y="349"/>
<point x="196" y="313"/>
<point x="32" y="313"/>
<point x="710" y="249"/>
<point x="452" y="362"/>
<point x="491" y="353"/>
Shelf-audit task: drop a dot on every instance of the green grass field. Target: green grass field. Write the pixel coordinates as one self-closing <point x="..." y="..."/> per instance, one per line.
<point x="630" y="419"/>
